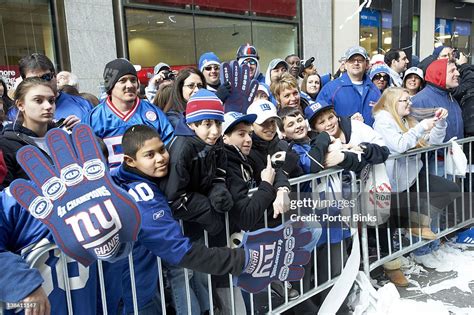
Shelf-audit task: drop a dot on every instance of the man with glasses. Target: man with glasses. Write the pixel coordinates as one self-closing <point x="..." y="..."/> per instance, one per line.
<point x="247" y="54"/>
<point x="209" y="65"/>
<point x="352" y="94"/>
<point x="380" y="76"/>
<point x="122" y="109"/>
<point x="38" y="65"/>
<point x="398" y="62"/>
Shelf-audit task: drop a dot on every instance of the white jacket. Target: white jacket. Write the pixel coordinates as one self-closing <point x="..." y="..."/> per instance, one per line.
<point x="402" y="174"/>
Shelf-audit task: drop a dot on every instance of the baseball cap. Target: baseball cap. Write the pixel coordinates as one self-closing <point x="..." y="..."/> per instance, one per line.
<point x="356" y="50"/>
<point x="307" y="63"/>
<point x="275" y="62"/>
<point x="414" y="70"/>
<point x="161" y="66"/>
<point x="314" y="108"/>
<point x="232" y="119"/>
<point x="264" y="110"/>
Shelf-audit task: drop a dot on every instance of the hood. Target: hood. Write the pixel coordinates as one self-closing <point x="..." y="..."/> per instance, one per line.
<point x="380" y="68"/>
<point x="182" y="129"/>
<point x="436" y="73"/>
<point x="272" y="65"/>
<point x="257" y="70"/>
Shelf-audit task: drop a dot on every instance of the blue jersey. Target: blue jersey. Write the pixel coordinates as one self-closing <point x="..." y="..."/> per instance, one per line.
<point x="30" y="259"/>
<point x="66" y="105"/>
<point x="160" y="235"/>
<point x="110" y="124"/>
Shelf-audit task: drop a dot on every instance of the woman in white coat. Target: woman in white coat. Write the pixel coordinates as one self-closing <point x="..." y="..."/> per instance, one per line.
<point x="401" y="133"/>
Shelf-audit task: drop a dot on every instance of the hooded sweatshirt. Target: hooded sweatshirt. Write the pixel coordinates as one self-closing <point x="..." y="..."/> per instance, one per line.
<point x="435" y="95"/>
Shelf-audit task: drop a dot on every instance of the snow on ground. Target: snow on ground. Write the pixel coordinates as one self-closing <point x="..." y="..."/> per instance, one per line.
<point x="427" y="293"/>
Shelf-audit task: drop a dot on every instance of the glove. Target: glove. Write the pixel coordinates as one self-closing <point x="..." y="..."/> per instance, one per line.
<point x="243" y="88"/>
<point x="274" y="254"/>
<point x="291" y="162"/>
<point x="220" y="198"/>
<point x="89" y="216"/>
<point x="223" y="91"/>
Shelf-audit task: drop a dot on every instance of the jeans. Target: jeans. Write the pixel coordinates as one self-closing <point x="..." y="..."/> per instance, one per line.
<point x="198" y="291"/>
<point x="152" y="308"/>
<point x="432" y="246"/>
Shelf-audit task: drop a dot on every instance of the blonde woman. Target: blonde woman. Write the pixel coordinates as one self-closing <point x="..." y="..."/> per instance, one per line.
<point x="402" y="132"/>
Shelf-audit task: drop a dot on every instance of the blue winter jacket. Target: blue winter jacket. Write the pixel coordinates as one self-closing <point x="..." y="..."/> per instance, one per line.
<point x="432" y="97"/>
<point x="347" y="101"/>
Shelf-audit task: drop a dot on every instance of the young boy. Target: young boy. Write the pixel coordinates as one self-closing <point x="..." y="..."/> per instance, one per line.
<point x="196" y="187"/>
<point x="247" y="211"/>
<point x="146" y="162"/>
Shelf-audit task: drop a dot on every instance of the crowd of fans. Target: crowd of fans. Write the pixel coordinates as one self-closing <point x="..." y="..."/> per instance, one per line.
<point x="204" y="157"/>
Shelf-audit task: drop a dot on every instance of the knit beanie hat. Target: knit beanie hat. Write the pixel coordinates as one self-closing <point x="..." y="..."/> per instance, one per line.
<point x="204" y="105"/>
<point x="116" y="69"/>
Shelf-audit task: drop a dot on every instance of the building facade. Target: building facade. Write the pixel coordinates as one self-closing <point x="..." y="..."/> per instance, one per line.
<point x="83" y="35"/>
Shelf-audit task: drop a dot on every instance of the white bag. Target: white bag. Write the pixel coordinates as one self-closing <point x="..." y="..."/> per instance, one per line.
<point x="376" y="194"/>
<point x="455" y="160"/>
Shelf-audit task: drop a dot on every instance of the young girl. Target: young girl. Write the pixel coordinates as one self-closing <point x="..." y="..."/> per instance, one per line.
<point x="311" y="85"/>
<point x="35" y="100"/>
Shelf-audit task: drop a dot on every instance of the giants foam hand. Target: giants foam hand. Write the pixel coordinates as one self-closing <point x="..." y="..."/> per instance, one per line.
<point x="274" y="254"/>
<point x="243" y="88"/>
<point x="90" y="217"/>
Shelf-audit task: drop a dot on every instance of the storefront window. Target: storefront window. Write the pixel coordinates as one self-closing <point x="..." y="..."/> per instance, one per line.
<point x="369" y="24"/>
<point x="25" y="27"/>
<point x="179" y="38"/>
<point x="443" y="30"/>
<point x="386" y="32"/>
<point x="461" y="36"/>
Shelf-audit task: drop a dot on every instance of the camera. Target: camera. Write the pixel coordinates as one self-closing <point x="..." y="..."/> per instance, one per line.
<point x="168" y="75"/>
<point x="456" y="54"/>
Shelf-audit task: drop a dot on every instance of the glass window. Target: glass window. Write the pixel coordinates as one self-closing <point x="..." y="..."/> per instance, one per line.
<point x="386" y="32"/>
<point x="443" y="29"/>
<point x="274" y="40"/>
<point x="369" y="24"/>
<point x="26" y="27"/>
<point x="221" y="35"/>
<point x="461" y="36"/>
<point x="155" y="37"/>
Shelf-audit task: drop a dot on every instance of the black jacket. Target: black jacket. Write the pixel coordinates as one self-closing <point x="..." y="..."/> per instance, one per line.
<point x="12" y="140"/>
<point x="194" y="168"/>
<point x="373" y="153"/>
<point x="247" y="211"/>
<point x="464" y="94"/>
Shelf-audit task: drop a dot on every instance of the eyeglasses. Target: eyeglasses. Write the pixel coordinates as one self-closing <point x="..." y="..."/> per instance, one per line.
<point x="251" y="62"/>
<point x="356" y="60"/>
<point x="214" y="67"/>
<point x="379" y="76"/>
<point x="406" y="100"/>
<point x="193" y="85"/>
<point x="47" y="76"/>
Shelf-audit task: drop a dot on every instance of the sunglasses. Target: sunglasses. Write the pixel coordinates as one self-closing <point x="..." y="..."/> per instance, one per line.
<point x="47" y="76"/>
<point x="209" y="68"/>
<point x="192" y="86"/>
<point x="251" y="62"/>
<point x="381" y="77"/>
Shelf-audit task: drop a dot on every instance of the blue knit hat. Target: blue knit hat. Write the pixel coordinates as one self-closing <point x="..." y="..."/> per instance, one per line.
<point x="204" y="105"/>
<point x="208" y="58"/>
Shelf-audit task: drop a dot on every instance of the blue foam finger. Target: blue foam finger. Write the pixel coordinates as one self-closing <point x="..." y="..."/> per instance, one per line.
<point x="93" y="219"/>
<point x="295" y="273"/>
<point x="86" y="143"/>
<point x="253" y="87"/>
<point x="236" y="77"/>
<point x="40" y="171"/>
<point x="225" y="72"/>
<point x="64" y="157"/>
<point x="24" y="192"/>
<point x="245" y="77"/>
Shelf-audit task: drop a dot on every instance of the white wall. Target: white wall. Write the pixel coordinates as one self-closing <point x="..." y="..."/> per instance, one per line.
<point x="345" y="33"/>
<point x="317" y="33"/>
<point x="427" y="26"/>
<point x="91" y="40"/>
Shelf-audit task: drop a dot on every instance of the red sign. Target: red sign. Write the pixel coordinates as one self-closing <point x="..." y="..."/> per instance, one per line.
<point x="9" y="74"/>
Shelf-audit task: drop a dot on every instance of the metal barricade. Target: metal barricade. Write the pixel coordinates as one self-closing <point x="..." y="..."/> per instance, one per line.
<point x="453" y="218"/>
<point x="402" y="236"/>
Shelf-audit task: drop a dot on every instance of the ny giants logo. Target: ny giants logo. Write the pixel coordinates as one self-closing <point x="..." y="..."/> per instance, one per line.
<point x="85" y="230"/>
